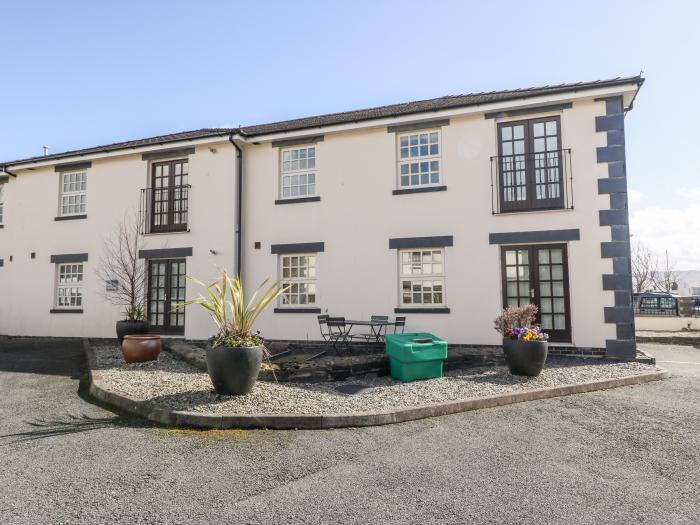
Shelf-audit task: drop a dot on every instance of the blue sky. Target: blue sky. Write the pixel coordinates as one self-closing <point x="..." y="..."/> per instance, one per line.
<point x="77" y="74"/>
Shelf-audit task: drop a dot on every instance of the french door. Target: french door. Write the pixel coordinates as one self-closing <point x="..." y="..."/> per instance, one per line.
<point x="169" y="196"/>
<point x="539" y="275"/>
<point x="530" y="164"/>
<point x="166" y="288"/>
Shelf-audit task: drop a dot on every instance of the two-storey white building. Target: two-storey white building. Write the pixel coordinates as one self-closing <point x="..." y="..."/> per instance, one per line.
<point x="441" y="211"/>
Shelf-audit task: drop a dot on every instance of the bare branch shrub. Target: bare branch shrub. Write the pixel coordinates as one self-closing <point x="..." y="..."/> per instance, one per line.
<point x="666" y="277"/>
<point x="644" y="267"/>
<point x="120" y="262"/>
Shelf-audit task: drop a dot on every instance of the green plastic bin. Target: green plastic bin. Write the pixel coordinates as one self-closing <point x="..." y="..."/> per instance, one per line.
<point x="410" y="360"/>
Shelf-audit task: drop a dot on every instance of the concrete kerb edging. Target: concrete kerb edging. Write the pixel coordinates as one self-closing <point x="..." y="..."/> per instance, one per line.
<point x="157" y="414"/>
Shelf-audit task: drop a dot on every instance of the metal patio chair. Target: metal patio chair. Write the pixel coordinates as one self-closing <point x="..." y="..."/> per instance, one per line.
<point x="323" y="324"/>
<point x="336" y="330"/>
<point x="375" y="333"/>
<point x="399" y="323"/>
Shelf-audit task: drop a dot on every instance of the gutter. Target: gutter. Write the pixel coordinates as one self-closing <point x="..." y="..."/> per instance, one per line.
<point x="3" y="169"/>
<point x="239" y="212"/>
<point x="639" y="86"/>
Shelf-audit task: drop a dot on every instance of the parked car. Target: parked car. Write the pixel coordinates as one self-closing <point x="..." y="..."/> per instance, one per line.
<point x="655" y="303"/>
<point x="697" y="304"/>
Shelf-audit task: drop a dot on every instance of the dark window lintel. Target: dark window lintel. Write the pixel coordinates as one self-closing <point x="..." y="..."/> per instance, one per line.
<point x="167" y="153"/>
<point x="165" y="253"/>
<point x="535" y="236"/>
<point x="299" y="247"/>
<point x="298" y="141"/>
<point x="73" y="166"/>
<point x="69" y="258"/>
<point x="406" y="243"/>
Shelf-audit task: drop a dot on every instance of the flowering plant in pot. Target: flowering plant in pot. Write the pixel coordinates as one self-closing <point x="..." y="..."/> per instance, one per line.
<point x="234" y="353"/>
<point x="524" y="343"/>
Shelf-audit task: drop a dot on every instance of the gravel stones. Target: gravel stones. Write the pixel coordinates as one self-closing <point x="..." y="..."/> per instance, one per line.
<point x="180" y="386"/>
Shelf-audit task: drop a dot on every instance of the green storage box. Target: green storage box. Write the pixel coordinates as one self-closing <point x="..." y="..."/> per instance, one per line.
<point x="410" y="359"/>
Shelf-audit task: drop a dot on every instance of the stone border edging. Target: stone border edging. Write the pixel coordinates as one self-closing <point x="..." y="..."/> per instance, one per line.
<point x="179" y="418"/>
<point x="669" y="340"/>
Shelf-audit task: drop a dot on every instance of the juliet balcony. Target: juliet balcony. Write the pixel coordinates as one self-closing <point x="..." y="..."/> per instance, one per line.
<point x="532" y="181"/>
<point x="164" y="209"/>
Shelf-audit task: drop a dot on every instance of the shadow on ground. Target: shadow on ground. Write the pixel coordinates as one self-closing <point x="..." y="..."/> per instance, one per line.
<point x="70" y="424"/>
<point x="63" y="357"/>
<point x="58" y="357"/>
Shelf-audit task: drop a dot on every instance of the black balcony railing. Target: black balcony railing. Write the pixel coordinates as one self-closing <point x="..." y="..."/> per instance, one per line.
<point x="164" y="209"/>
<point x="532" y="181"/>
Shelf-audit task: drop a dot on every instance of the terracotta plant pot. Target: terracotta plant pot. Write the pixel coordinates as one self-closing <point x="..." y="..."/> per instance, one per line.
<point x="234" y="369"/>
<point x="131" y="328"/>
<point x="140" y="348"/>
<point x="525" y="358"/>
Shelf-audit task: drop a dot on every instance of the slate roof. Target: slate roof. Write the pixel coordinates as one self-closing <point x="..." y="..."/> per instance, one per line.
<point x="435" y="104"/>
<point x="393" y="110"/>
<point x="129" y="144"/>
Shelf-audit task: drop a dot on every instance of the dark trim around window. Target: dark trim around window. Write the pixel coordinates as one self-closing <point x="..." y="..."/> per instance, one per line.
<point x="299" y="247"/>
<point x="441" y="310"/>
<point x="70" y="217"/>
<point x="69" y="258"/>
<point x="427" y="189"/>
<point x="407" y="243"/>
<point x="296" y="200"/>
<point x="297" y="310"/>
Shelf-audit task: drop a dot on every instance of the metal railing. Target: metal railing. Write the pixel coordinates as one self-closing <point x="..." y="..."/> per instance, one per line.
<point x="165" y="209"/>
<point x="661" y="306"/>
<point x="532" y="181"/>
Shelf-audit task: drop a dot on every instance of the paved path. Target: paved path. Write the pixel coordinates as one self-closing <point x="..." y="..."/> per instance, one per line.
<point x="621" y="456"/>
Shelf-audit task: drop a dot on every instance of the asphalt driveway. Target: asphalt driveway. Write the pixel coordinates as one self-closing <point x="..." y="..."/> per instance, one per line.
<point x="625" y="455"/>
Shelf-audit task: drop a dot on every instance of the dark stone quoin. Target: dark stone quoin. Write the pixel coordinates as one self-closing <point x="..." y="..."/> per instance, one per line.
<point x="617" y="217"/>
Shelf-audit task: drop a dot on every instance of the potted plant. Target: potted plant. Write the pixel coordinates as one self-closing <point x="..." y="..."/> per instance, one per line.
<point x="524" y="344"/>
<point x="234" y="354"/>
<point x="141" y="348"/>
<point x="134" y="323"/>
<point x="123" y="276"/>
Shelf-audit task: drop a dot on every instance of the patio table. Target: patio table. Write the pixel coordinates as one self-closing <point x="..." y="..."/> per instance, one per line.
<point x="375" y="327"/>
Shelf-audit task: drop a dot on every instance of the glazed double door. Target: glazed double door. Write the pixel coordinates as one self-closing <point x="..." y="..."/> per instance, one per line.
<point x="539" y="275"/>
<point x="166" y="288"/>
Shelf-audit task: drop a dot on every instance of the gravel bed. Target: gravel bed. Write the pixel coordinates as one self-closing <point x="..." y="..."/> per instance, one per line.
<point x="180" y="386"/>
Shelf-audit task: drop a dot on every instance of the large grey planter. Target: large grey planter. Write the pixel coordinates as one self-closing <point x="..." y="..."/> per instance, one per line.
<point x="131" y="328"/>
<point x="525" y="358"/>
<point x="234" y="370"/>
